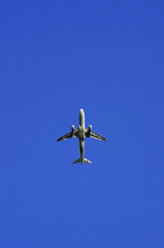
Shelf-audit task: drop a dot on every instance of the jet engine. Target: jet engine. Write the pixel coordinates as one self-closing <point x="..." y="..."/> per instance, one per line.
<point x="89" y="129"/>
<point x="73" y="128"/>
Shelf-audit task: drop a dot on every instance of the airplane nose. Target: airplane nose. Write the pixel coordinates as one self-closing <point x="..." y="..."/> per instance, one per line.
<point x="81" y="117"/>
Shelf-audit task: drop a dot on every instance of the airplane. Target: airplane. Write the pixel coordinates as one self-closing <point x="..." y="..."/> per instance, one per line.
<point x="81" y="132"/>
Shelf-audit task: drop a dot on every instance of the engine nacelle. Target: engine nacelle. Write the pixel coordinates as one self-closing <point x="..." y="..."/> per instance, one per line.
<point x="90" y="128"/>
<point x="73" y="128"/>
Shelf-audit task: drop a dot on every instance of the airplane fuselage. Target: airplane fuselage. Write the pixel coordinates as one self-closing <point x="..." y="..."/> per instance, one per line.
<point x="81" y="134"/>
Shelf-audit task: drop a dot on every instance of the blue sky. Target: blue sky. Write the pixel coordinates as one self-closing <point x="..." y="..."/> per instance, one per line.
<point x="108" y="58"/>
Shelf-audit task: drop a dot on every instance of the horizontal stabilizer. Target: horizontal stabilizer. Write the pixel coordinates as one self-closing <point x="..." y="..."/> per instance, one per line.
<point x="76" y="161"/>
<point x="84" y="161"/>
<point x="87" y="161"/>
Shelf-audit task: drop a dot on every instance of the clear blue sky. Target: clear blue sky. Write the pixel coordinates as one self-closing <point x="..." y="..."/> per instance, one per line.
<point x="108" y="58"/>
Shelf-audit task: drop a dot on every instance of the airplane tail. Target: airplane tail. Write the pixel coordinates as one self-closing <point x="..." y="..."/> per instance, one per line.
<point x="84" y="161"/>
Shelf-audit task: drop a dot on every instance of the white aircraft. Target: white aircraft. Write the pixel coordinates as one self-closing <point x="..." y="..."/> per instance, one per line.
<point x="81" y="132"/>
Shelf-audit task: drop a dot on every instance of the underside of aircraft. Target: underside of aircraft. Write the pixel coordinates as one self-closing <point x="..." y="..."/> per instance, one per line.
<point x="81" y="132"/>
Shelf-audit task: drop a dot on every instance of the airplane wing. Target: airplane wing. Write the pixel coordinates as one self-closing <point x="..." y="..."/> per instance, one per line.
<point x="69" y="135"/>
<point x="95" y="136"/>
